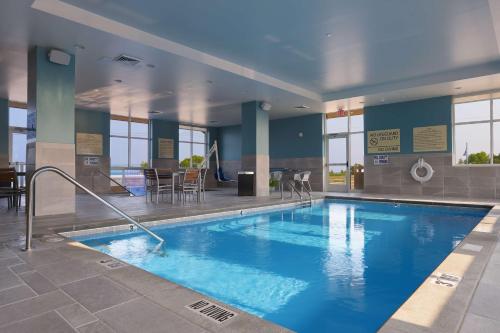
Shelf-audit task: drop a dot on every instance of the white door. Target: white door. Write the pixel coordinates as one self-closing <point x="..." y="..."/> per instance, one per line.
<point x="337" y="170"/>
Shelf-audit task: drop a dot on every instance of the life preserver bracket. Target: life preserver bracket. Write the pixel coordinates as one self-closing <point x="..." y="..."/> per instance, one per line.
<point x="421" y="164"/>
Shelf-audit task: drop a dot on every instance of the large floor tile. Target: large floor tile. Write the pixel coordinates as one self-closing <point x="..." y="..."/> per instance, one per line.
<point x="8" y="279"/>
<point x="144" y="316"/>
<point x="33" y="307"/>
<point x="41" y="257"/>
<point x="37" y="282"/>
<point x="478" y="324"/>
<point x="98" y="293"/>
<point x="76" y="315"/>
<point x="139" y="280"/>
<point x="486" y="300"/>
<point x="95" y="327"/>
<point x="16" y="294"/>
<point x="67" y="271"/>
<point x="48" y="322"/>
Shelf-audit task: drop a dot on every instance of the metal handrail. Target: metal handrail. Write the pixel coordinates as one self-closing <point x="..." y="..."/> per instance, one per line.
<point x="117" y="183"/>
<point x="30" y="195"/>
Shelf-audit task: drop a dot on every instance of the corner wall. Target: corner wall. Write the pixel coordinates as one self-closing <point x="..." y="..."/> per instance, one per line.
<point x="94" y="122"/>
<point x="163" y="129"/>
<point x="4" y="133"/>
<point x="229" y="142"/>
<point x="287" y="149"/>
<point x="448" y="181"/>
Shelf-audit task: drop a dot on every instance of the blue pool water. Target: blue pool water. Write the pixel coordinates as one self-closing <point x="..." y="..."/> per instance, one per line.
<point x="340" y="266"/>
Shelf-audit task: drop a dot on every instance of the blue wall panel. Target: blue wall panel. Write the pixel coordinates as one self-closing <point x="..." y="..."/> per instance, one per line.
<point x="407" y="115"/>
<point x="284" y="140"/>
<point x="230" y="142"/>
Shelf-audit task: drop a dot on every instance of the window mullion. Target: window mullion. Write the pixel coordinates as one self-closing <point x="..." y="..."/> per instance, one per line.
<point x="492" y="142"/>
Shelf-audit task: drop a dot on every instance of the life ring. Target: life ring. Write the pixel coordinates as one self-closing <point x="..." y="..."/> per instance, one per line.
<point x="419" y="165"/>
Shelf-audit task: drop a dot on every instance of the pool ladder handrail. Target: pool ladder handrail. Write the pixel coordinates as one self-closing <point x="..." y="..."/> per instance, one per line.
<point x="31" y="195"/>
<point x="291" y="183"/>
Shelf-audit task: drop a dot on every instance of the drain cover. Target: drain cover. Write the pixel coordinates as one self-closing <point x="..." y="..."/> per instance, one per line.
<point x="445" y="280"/>
<point x="111" y="263"/>
<point x="212" y="311"/>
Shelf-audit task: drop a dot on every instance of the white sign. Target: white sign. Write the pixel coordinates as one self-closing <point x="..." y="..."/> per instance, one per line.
<point x="91" y="161"/>
<point x="380" y="159"/>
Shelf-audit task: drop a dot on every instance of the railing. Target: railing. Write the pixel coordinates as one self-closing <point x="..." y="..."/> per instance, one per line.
<point x="31" y="196"/>
<point x="114" y="182"/>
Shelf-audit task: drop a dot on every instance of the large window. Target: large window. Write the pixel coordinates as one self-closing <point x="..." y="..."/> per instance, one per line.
<point x="129" y="143"/>
<point x="345" y="143"/>
<point x="477" y="132"/>
<point x="192" y="146"/>
<point x="18" y="120"/>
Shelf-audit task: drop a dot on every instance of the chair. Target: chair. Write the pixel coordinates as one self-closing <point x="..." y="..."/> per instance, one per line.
<point x="10" y="189"/>
<point x="190" y="184"/>
<point x="305" y="180"/>
<point x="153" y="184"/>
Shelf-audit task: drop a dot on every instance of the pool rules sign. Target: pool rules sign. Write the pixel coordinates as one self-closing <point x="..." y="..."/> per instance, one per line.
<point x="384" y="141"/>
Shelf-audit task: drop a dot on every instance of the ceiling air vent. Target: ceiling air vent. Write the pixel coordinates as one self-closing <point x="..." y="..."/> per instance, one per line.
<point x="127" y="60"/>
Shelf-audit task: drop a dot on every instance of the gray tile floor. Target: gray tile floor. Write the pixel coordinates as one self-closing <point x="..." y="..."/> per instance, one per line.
<point x="61" y="287"/>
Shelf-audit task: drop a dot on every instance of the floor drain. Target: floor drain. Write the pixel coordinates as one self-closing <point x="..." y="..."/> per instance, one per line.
<point x="445" y="280"/>
<point x="111" y="263"/>
<point x="211" y="311"/>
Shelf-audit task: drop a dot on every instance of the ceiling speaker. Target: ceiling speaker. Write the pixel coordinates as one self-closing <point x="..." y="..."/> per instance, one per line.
<point x="265" y="106"/>
<point x="59" y="57"/>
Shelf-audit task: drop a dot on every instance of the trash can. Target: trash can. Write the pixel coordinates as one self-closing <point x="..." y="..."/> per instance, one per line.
<point x="359" y="178"/>
<point x="246" y="181"/>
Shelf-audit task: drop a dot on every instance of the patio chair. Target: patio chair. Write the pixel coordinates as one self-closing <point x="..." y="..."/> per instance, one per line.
<point x="10" y="189"/>
<point x="190" y="184"/>
<point x="153" y="184"/>
<point x="305" y="180"/>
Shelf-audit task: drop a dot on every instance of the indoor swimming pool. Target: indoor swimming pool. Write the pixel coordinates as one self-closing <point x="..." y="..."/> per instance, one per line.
<point x="338" y="266"/>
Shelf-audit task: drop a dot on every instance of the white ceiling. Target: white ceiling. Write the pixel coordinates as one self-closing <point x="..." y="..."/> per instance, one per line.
<point x="210" y="57"/>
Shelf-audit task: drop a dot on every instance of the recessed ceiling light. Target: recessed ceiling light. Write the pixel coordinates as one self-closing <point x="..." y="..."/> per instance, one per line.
<point x="96" y="90"/>
<point x="170" y="92"/>
<point x="328" y="34"/>
<point x="303" y="106"/>
<point x="382" y="99"/>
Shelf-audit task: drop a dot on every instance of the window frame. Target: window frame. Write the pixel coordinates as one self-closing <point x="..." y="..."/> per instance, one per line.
<point x="491" y="122"/>
<point x="191" y="142"/>
<point x="129" y="138"/>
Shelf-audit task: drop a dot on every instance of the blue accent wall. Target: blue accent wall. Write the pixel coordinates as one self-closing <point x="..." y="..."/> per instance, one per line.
<point x="407" y="115"/>
<point x="166" y="130"/>
<point x="254" y="129"/>
<point x="4" y="127"/>
<point x="284" y="140"/>
<point x="230" y="143"/>
<point x="51" y="98"/>
<point x="95" y="122"/>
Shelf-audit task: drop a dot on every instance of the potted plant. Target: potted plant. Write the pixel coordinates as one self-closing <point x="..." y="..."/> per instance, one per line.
<point x="273" y="184"/>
